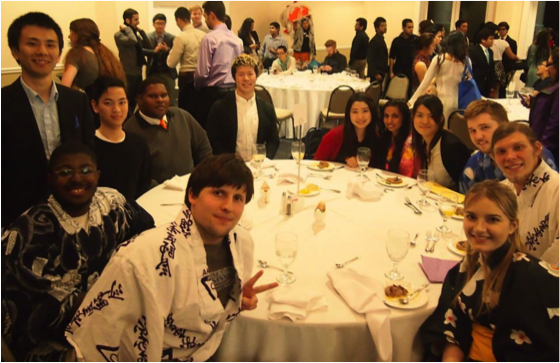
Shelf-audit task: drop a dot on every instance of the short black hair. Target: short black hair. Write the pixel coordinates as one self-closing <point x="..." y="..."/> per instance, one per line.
<point x="102" y="83"/>
<point x="377" y="23"/>
<point x="275" y="24"/>
<point x="406" y="21"/>
<point x="159" y="16"/>
<point x="216" y="7"/>
<point x="227" y="21"/>
<point x="362" y="22"/>
<point x="460" y="22"/>
<point x="504" y="24"/>
<point x="219" y="170"/>
<point x="484" y="34"/>
<point x="183" y="14"/>
<point x="425" y="25"/>
<point x="128" y="14"/>
<point x="70" y="148"/>
<point x="148" y="82"/>
<point x="283" y="48"/>
<point x="41" y="20"/>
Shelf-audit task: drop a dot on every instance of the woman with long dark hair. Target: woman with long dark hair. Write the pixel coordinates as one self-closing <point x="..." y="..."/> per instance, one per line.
<point x="538" y="52"/>
<point x="359" y="130"/>
<point x="250" y="38"/>
<point x="422" y="61"/>
<point x="438" y="149"/>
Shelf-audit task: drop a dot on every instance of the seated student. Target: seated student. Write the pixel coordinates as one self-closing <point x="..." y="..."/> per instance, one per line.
<point x="241" y="119"/>
<point x="438" y="149"/>
<point x="177" y="141"/>
<point x="285" y="64"/>
<point x="54" y="252"/>
<point x="123" y="157"/>
<point x="180" y="284"/>
<point x="517" y="153"/>
<point x="396" y="139"/>
<point x="483" y="118"/>
<point x="334" y="61"/>
<point x="342" y="142"/>
<point x="498" y="304"/>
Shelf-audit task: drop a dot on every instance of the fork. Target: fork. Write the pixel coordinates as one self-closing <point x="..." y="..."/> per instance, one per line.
<point x="435" y="238"/>
<point x="428" y="239"/>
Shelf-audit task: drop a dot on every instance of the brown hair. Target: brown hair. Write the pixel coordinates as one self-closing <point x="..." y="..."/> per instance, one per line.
<point x="494" y="109"/>
<point x="330" y="43"/>
<point x="504" y="198"/>
<point x="506" y="129"/>
<point x="244" y="60"/>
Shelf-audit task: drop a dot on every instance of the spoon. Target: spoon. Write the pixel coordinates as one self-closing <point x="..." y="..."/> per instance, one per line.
<point x="435" y="238"/>
<point x="265" y="264"/>
<point x="168" y="204"/>
<point x="413" y="241"/>
<point x="332" y="190"/>
<point x="341" y="265"/>
<point x="406" y="300"/>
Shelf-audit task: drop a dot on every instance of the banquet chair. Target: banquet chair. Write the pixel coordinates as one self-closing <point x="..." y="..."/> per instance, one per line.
<point x="397" y="90"/>
<point x="458" y="125"/>
<point x="282" y="114"/>
<point x="337" y="105"/>
<point x="374" y="91"/>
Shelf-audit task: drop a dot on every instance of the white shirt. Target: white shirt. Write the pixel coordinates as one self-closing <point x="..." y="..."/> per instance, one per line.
<point x="499" y="47"/>
<point x="435" y="163"/>
<point x="153" y="121"/>
<point x="247" y="126"/>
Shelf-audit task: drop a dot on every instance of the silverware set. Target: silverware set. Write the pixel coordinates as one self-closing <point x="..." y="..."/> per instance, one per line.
<point x="431" y="237"/>
<point x="405" y="300"/>
<point x="410" y="205"/>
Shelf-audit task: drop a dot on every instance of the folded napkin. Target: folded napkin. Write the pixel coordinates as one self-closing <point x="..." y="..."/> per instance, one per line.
<point x="437" y="189"/>
<point x="267" y="163"/>
<point x="365" y="295"/>
<point x="294" y="302"/>
<point x="174" y="183"/>
<point x="435" y="268"/>
<point x="246" y="221"/>
<point x="291" y="178"/>
<point x="363" y="189"/>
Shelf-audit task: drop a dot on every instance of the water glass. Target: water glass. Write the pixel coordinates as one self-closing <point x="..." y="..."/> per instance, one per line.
<point x="447" y="206"/>
<point x="425" y="178"/>
<point x="298" y="150"/>
<point x="286" y="247"/>
<point x="397" y="245"/>
<point x="259" y="154"/>
<point x="363" y="156"/>
<point x="315" y="70"/>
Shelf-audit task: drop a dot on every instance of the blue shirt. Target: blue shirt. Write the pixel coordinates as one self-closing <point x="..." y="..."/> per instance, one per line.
<point x="46" y="116"/>
<point x="480" y="167"/>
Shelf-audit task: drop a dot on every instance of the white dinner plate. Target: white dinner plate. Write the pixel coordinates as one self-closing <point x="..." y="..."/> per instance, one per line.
<point x="315" y="166"/>
<point x="456" y="216"/>
<point x="418" y="301"/>
<point x="452" y="246"/>
<point x="311" y="194"/>
<point x="401" y="185"/>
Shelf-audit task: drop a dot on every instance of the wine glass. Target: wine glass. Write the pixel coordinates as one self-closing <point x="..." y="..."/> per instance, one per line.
<point x="286" y="249"/>
<point x="363" y="156"/>
<point x="425" y="177"/>
<point x="298" y="150"/>
<point x="397" y="247"/>
<point x="447" y="205"/>
<point x="510" y="93"/>
<point x="259" y="155"/>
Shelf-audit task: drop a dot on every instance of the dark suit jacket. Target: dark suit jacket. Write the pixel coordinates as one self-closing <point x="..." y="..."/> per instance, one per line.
<point x="377" y="57"/>
<point x="167" y="39"/>
<point x="247" y="42"/>
<point x="484" y="73"/>
<point x="221" y="126"/>
<point x="508" y="63"/>
<point x="24" y="162"/>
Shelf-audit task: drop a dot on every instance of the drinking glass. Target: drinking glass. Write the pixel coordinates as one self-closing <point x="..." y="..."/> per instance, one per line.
<point x="397" y="247"/>
<point x="259" y="154"/>
<point x="447" y="205"/>
<point x="286" y="249"/>
<point x="363" y="156"/>
<point x="298" y="150"/>
<point x="315" y="70"/>
<point x="510" y="93"/>
<point x="425" y="178"/>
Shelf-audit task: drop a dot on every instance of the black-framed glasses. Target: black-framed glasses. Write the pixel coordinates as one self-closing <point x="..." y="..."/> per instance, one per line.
<point x="549" y="64"/>
<point x="86" y="171"/>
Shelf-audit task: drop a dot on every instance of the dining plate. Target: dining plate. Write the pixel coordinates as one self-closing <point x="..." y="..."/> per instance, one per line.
<point x="315" y="166"/>
<point x="418" y="301"/>
<point x="310" y="194"/>
<point x="312" y="190"/>
<point x="390" y="185"/>
<point x="457" y="216"/>
<point x="452" y="246"/>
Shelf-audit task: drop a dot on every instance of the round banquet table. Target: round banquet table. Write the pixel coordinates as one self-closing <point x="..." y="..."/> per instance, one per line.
<point x="352" y="227"/>
<point x="305" y="87"/>
<point x="515" y="110"/>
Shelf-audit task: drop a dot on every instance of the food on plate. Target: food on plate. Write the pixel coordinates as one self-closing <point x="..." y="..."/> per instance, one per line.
<point x="321" y="206"/>
<point x="461" y="245"/>
<point x="323" y="165"/>
<point x="395" y="291"/>
<point x="304" y="191"/>
<point x="312" y="187"/>
<point x="394" y="180"/>
<point x="265" y="187"/>
<point x="460" y="211"/>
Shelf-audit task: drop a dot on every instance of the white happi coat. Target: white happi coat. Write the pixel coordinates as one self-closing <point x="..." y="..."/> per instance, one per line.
<point x="538" y="213"/>
<point x="155" y="299"/>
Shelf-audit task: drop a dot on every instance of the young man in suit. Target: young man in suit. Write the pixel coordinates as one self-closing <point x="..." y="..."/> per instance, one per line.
<point x="503" y="29"/>
<point x="482" y="59"/>
<point x="37" y="114"/>
<point x="378" y="54"/>
<point x="241" y="119"/>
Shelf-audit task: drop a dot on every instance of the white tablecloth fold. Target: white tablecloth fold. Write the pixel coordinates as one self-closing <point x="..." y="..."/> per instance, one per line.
<point x="363" y="189"/>
<point x="365" y="295"/>
<point x="291" y="177"/>
<point x="175" y="183"/>
<point x="295" y="302"/>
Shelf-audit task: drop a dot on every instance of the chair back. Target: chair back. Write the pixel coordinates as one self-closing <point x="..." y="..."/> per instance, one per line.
<point x="458" y="126"/>
<point x="398" y="88"/>
<point x="263" y="93"/>
<point x="339" y="98"/>
<point x="312" y="140"/>
<point x="374" y="91"/>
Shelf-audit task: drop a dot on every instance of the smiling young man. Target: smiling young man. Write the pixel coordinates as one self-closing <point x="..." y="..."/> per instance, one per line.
<point x="242" y="119"/>
<point x="162" y="43"/>
<point x="55" y="251"/>
<point x="172" y="293"/>
<point x="517" y="153"/>
<point x="483" y="118"/>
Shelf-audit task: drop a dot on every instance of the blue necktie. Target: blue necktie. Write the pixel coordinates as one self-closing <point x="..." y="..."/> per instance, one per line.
<point x="487" y="55"/>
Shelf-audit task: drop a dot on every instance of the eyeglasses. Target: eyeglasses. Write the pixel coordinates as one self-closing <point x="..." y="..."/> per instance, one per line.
<point x="86" y="171"/>
<point x="549" y="64"/>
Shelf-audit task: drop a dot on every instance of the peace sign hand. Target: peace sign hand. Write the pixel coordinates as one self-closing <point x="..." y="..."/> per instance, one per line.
<point x="249" y="296"/>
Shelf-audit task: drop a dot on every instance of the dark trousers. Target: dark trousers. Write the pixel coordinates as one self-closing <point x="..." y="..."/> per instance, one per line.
<point x="169" y="83"/>
<point x="133" y="82"/>
<point x="187" y="92"/>
<point x="206" y="98"/>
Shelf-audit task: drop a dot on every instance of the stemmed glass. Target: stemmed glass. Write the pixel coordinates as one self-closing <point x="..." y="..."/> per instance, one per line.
<point x="363" y="156"/>
<point x="259" y="154"/>
<point x="397" y="247"/>
<point x="425" y="177"/>
<point x="298" y="150"/>
<point x="447" y="205"/>
<point x="286" y="250"/>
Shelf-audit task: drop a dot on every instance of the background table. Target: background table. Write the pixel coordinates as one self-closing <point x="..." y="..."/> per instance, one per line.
<point x="305" y="87"/>
<point x="515" y="110"/>
<point x="352" y="228"/>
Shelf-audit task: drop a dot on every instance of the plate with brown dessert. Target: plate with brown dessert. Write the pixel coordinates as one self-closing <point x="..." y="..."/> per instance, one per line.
<point x="396" y="291"/>
<point x="321" y="166"/>
<point x="394" y="181"/>
<point x="457" y="247"/>
<point x="459" y="213"/>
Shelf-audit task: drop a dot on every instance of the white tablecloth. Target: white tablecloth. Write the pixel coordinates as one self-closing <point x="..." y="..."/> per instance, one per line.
<point x="352" y="228"/>
<point x="515" y="110"/>
<point x="304" y="87"/>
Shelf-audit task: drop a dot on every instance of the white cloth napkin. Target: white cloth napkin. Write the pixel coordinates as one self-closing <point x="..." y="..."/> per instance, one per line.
<point x="363" y="189"/>
<point x="246" y="221"/>
<point x="294" y="302"/>
<point x="365" y="295"/>
<point x="174" y="183"/>
<point x="267" y="163"/>
<point x="291" y="178"/>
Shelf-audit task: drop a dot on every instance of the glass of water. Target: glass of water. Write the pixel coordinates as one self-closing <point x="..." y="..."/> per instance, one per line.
<point x="286" y="249"/>
<point x="259" y="154"/>
<point x="425" y="178"/>
<point x="363" y="156"/>
<point x="397" y="244"/>
<point x="298" y="150"/>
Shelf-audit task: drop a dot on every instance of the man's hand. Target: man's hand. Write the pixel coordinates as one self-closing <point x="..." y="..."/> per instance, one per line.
<point x="249" y="296"/>
<point x="352" y="162"/>
<point x="327" y="68"/>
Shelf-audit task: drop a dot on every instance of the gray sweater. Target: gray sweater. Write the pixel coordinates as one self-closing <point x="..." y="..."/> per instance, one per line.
<point x="174" y="151"/>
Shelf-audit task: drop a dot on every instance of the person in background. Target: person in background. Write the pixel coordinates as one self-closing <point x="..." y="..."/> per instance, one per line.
<point x="483" y="118"/>
<point x="424" y="26"/>
<point x="157" y="57"/>
<point x="133" y="44"/>
<point x="250" y="38"/>
<point x="501" y="51"/>
<point x="438" y="149"/>
<point x="185" y="52"/>
<point x="334" y="61"/>
<point x="544" y="80"/>
<point x="377" y="53"/>
<point x="55" y="251"/>
<point x="463" y="26"/>
<point x="88" y="58"/>
<point x="517" y="153"/>
<point x="196" y="17"/>
<point x="402" y="53"/>
<point x="438" y="31"/>
<point x="359" y="130"/>
<point x="396" y="139"/>
<point x="503" y="32"/>
<point x="421" y="63"/>
<point x="242" y="119"/>
<point x="271" y="43"/>
<point x="358" y="52"/>
<point x="304" y="40"/>
<point x="498" y="303"/>
<point x="285" y="64"/>
<point x="37" y="114"/>
<point x="538" y="52"/>
<point x="124" y="158"/>
<point x="482" y="57"/>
